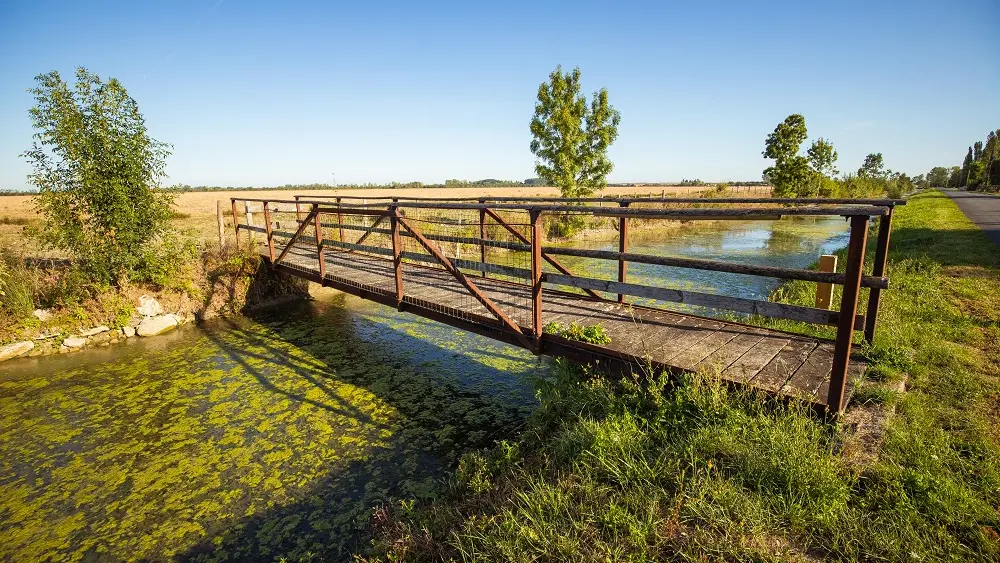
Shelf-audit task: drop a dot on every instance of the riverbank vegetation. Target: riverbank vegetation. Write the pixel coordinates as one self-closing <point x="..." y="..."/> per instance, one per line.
<point x="815" y="175"/>
<point x="650" y="469"/>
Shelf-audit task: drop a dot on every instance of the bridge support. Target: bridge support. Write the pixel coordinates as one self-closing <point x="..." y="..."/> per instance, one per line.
<point x="848" y="308"/>
<point x="536" y="277"/>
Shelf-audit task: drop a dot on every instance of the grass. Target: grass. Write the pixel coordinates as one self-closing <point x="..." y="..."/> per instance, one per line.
<point x="627" y="471"/>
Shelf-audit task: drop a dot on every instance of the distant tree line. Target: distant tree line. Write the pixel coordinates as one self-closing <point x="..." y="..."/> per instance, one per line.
<point x="979" y="170"/>
<point x="816" y="174"/>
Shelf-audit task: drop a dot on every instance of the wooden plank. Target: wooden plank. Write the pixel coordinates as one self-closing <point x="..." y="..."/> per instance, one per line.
<point x="732" y="350"/>
<point x="824" y="291"/>
<point x="690" y="358"/>
<point x="739" y="304"/>
<point x="688" y="332"/>
<point x="807" y="379"/>
<point x="855" y="371"/>
<point x="749" y="364"/>
<point x="773" y="376"/>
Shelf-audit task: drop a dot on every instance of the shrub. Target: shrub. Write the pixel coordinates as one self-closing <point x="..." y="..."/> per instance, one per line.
<point x="96" y="170"/>
<point x="594" y="334"/>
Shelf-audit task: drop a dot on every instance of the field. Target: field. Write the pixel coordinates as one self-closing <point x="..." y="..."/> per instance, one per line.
<point x="196" y="210"/>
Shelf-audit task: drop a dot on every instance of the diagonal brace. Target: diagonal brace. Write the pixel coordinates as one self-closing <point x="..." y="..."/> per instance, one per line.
<point x="288" y="246"/>
<point x="555" y="263"/>
<point x="435" y="251"/>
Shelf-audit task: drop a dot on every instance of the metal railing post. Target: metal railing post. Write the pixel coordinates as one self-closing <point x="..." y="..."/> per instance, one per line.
<point x="536" y="277"/>
<point x="270" y="239"/>
<point x="340" y="219"/>
<point x="482" y="235"/>
<point x="298" y="209"/>
<point x="848" y="309"/>
<point x="319" y="241"/>
<point x="878" y="269"/>
<point x="397" y="254"/>
<point x="622" y="248"/>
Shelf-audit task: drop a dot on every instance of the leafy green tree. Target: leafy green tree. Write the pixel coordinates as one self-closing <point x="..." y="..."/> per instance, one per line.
<point x="570" y="138"/>
<point x="790" y="175"/>
<point x="874" y="167"/>
<point x="955" y="178"/>
<point x="822" y="157"/>
<point x="966" y="165"/>
<point x="938" y="177"/>
<point x="96" y="169"/>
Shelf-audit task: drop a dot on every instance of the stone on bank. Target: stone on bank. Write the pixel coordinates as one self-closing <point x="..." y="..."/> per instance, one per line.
<point x="151" y="326"/>
<point x="16" y="349"/>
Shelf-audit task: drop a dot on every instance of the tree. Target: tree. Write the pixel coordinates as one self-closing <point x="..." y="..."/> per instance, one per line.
<point x="96" y="169"/>
<point x="938" y="177"/>
<point x="955" y="178"/>
<point x="822" y="157"/>
<point x="966" y="164"/>
<point x="873" y="167"/>
<point x="570" y="138"/>
<point x="790" y="174"/>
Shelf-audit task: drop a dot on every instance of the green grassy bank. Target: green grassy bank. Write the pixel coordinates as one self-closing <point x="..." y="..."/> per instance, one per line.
<point x="610" y="471"/>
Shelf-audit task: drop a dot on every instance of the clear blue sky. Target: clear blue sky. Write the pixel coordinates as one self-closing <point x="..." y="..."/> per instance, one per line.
<point x="266" y="93"/>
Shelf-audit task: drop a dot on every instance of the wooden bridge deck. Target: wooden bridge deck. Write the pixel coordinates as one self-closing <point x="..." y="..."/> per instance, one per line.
<point x="772" y="361"/>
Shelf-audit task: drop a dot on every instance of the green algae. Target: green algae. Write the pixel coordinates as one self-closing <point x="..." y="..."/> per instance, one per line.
<point x="256" y="439"/>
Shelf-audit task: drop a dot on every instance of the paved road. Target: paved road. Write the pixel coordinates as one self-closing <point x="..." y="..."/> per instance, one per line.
<point x="981" y="209"/>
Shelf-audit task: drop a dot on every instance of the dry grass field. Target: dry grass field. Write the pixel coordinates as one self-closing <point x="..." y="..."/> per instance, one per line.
<point x="196" y="210"/>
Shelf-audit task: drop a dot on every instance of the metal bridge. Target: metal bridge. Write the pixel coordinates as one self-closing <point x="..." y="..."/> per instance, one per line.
<point x="483" y="265"/>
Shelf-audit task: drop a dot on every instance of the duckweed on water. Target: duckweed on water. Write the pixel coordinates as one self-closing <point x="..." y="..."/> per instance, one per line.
<point x="247" y="439"/>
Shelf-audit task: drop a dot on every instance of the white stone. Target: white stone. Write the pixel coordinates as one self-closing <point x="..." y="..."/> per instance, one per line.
<point x="75" y="342"/>
<point x="95" y="331"/>
<point x="149" y="307"/>
<point x="16" y="349"/>
<point x="151" y="326"/>
<point x="43" y="314"/>
<point x="128" y="331"/>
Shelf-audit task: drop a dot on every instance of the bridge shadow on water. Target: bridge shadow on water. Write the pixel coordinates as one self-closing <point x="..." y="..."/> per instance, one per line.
<point x="443" y="404"/>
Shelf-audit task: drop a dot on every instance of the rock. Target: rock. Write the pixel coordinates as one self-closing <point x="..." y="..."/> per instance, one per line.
<point x="75" y="342"/>
<point x="189" y="318"/>
<point x="94" y="331"/>
<point x="149" y="307"/>
<point x="151" y="326"/>
<point x="47" y="335"/>
<point x="100" y="338"/>
<point x="43" y="314"/>
<point x="16" y="349"/>
<point x="35" y="353"/>
<point x="64" y="349"/>
<point x="129" y="331"/>
<point x="135" y="320"/>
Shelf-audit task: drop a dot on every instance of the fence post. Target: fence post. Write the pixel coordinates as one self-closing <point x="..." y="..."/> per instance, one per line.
<point x="236" y="223"/>
<point x="222" y="224"/>
<point x="267" y="223"/>
<point x="298" y="209"/>
<point x="536" y="277"/>
<point x="622" y="248"/>
<point x="878" y="269"/>
<point x="319" y="241"/>
<point x="397" y="254"/>
<point x="246" y="207"/>
<point x="824" y="291"/>
<point x="848" y="310"/>
<point x="482" y="235"/>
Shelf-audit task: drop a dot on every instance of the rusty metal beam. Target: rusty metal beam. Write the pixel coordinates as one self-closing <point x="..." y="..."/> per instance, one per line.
<point x="298" y="233"/>
<point x="466" y="282"/>
<point x="555" y="263"/>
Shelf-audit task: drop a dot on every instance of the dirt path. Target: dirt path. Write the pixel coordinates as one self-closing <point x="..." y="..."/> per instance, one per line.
<point x="981" y="209"/>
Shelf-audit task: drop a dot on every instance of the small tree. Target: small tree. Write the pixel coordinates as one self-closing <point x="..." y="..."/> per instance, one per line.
<point x="822" y="157"/>
<point x="570" y="138"/>
<point x="96" y="170"/>
<point x="873" y="167"/>
<point x="790" y="175"/>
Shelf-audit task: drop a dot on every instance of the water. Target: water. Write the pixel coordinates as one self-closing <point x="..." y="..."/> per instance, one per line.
<point x="254" y="437"/>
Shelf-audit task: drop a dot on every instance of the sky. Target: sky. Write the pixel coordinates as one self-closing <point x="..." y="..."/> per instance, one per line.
<point x="271" y="93"/>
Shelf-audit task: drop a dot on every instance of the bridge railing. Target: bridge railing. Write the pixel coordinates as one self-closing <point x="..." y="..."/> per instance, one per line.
<point x="503" y="240"/>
